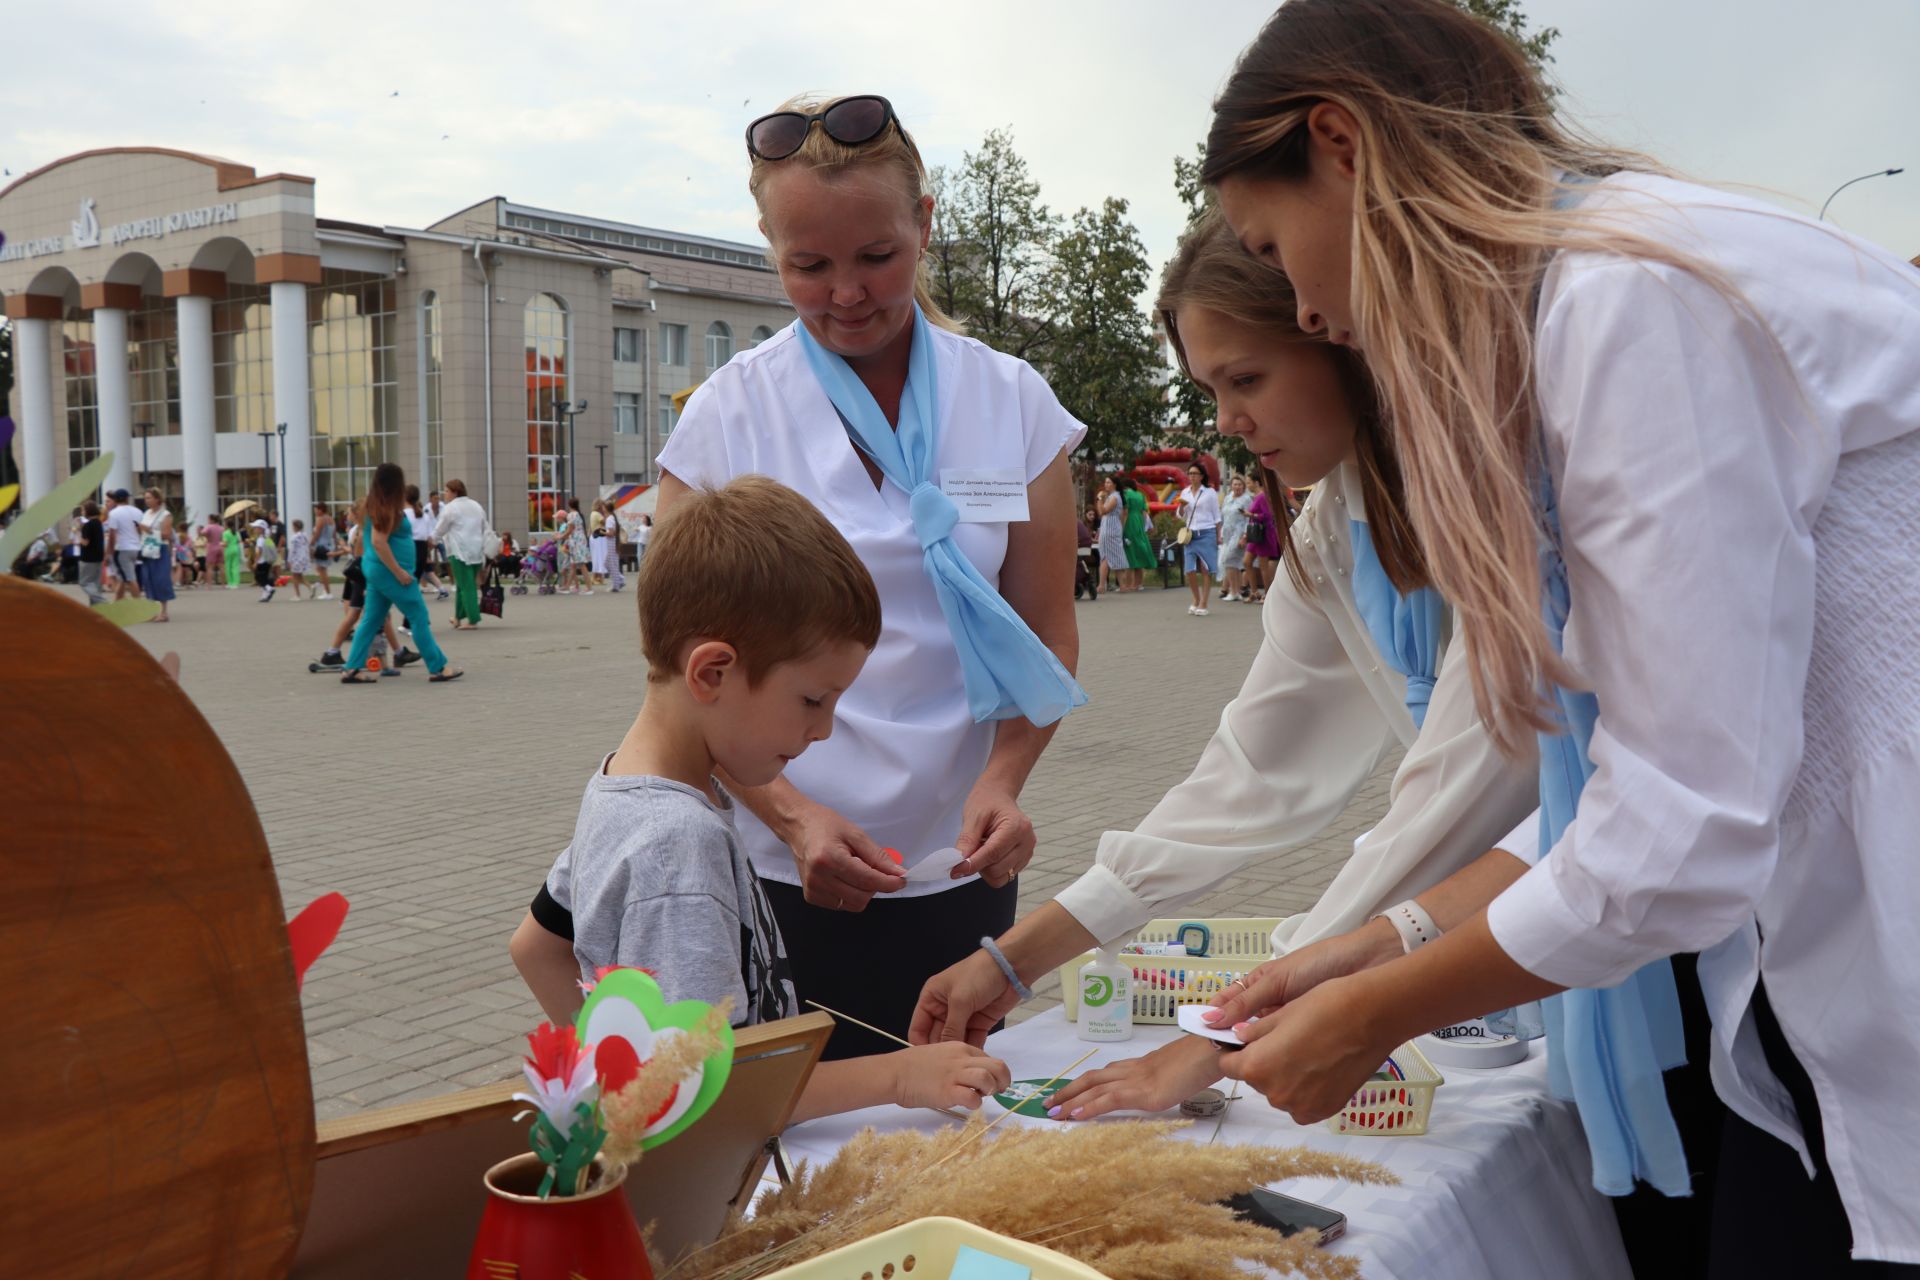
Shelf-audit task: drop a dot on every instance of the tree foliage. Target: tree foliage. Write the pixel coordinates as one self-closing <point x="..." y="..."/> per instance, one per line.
<point x="992" y="246"/>
<point x="1105" y="365"/>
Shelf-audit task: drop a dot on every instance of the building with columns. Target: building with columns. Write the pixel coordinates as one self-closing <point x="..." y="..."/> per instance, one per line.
<point x="263" y="352"/>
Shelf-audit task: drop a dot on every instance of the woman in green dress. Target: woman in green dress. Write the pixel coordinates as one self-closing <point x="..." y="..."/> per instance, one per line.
<point x="1135" y="532"/>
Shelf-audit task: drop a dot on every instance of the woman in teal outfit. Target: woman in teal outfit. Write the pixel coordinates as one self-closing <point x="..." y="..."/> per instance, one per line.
<point x="387" y="562"/>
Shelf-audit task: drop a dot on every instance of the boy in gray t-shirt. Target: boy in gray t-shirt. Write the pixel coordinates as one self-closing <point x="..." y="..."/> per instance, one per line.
<point x="747" y="654"/>
<point x="665" y="886"/>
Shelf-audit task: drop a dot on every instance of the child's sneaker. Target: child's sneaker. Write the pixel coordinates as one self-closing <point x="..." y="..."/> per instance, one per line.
<point x="404" y="658"/>
<point x="332" y="658"/>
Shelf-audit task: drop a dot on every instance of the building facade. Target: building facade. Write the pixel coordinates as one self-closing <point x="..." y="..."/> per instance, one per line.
<point x="224" y="342"/>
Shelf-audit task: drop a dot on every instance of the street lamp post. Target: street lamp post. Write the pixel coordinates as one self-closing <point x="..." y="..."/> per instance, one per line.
<point x="143" y="428"/>
<point x="353" y="469"/>
<point x="572" y="409"/>
<point x="603" y="466"/>
<point x="1877" y="173"/>
<point x="280" y="481"/>
<point x="266" y="449"/>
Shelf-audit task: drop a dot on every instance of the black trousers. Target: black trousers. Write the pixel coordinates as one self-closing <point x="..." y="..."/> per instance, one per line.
<point x="1769" y="1218"/>
<point x="872" y="964"/>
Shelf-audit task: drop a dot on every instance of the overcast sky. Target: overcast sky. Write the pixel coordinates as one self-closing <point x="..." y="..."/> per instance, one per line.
<point x="635" y="111"/>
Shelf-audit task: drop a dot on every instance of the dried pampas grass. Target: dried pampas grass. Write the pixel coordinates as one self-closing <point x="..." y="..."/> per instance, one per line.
<point x="1128" y="1198"/>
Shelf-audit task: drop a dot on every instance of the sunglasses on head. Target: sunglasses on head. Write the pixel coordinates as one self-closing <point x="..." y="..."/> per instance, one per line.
<point x="851" y="122"/>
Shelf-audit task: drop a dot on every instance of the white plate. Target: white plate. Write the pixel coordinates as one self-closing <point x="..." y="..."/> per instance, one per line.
<point x="1191" y="1023"/>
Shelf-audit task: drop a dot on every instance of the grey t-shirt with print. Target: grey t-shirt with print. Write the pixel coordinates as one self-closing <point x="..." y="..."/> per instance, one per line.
<point x="656" y="878"/>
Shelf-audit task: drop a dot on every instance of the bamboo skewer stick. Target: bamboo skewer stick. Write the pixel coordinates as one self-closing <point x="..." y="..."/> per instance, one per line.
<point x="884" y="1035"/>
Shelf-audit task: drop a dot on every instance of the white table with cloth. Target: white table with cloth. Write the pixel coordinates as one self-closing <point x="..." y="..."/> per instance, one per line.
<point x="1497" y="1187"/>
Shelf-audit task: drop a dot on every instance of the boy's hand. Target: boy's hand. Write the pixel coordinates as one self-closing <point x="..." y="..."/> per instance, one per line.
<point x="1158" y="1082"/>
<point x="946" y="1075"/>
<point x="841" y="868"/>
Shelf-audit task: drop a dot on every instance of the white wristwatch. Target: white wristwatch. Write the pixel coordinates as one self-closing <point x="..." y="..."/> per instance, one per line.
<point x="1411" y="921"/>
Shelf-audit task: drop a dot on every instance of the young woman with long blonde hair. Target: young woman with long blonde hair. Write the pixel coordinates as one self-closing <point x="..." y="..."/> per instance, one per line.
<point x="1660" y="446"/>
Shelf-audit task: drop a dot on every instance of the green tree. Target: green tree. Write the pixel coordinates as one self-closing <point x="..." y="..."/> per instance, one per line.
<point x="1106" y="367"/>
<point x="991" y="247"/>
<point x="1508" y="18"/>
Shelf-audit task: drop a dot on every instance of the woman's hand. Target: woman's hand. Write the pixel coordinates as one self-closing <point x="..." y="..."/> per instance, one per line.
<point x="841" y="868"/>
<point x="1158" y="1082"/>
<point x="962" y="1002"/>
<point x="996" y="839"/>
<point x="1309" y="1058"/>
<point x="950" y="1074"/>
<point x="404" y="578"/>
<point x="1278" y="982"/>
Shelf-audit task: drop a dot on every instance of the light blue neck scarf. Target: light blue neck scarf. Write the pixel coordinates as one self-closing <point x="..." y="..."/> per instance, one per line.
<point x="1406" y="629"/>
<point x="1008" y="671"/>
<point x="1606" y="1047"/>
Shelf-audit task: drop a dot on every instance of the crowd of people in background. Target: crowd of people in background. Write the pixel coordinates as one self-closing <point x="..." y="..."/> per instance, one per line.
<point x="1223" y="539"/>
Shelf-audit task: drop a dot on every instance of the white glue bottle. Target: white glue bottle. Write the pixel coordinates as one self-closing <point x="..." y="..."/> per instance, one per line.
<point x="1106" y="998"/>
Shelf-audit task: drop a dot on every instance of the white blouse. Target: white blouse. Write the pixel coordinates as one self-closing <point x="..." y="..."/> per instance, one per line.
<point x="905" y="750"/>
<point x="1318" y="713"/>
<point x="1201" y="511"/>
<point x="1739" y="493"/>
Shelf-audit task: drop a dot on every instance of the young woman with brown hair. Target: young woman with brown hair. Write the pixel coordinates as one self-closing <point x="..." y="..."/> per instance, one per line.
<point x="387" y="551"/>
<point x="1350" y="668"/>
<point x="1660" y="454"/>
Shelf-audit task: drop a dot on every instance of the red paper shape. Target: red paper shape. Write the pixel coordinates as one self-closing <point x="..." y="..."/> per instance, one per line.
<point x="616" y="1062"/>
<point x="899" y="859"/>
<point x="313" y="931"/>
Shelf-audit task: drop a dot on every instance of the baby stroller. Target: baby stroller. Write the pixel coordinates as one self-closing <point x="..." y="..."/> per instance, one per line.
<point x="542" y="565"/>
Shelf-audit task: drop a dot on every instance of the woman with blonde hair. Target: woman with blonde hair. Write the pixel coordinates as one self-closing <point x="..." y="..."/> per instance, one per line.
<point x="888" y="850"/>
<point x="1661" y="457"/>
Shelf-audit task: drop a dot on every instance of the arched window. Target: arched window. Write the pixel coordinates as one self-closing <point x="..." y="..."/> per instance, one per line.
<point x="719" y="345"/>
<point x="760" y="334"/>
<point x="545" y="325"/>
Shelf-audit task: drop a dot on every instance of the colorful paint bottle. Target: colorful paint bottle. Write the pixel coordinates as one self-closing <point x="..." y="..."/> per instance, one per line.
<point x="1106" y="998"/>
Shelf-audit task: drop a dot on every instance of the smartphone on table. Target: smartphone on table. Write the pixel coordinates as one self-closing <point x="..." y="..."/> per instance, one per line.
<point x="1287" y="1215"/>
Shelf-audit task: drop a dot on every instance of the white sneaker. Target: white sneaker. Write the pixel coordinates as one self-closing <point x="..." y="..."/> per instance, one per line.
<point x="1193" y="608"/>
<point x="1199" y="613"/>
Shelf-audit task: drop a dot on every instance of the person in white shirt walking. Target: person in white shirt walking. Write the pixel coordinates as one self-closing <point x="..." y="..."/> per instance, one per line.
<point x="1233" y="540"/>
<point x="1198" y="508"/>
<point x="420" y="525"/>
<point x="462" y="530"/>
<point x="1661" y="450"/>
<point x="123" y="543"/>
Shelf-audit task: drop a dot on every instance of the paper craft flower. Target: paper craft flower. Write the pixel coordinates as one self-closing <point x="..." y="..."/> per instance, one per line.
<point x="562" y="1075"/>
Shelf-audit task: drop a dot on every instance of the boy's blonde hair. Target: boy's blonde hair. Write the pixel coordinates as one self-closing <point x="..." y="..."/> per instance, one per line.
<point x="757" y="566"/>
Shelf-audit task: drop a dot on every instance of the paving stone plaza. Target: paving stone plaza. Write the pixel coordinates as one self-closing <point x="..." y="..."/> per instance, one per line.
<point x="437" y="809"/>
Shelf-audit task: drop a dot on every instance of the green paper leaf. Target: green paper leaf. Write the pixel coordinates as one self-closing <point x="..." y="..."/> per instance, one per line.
<point x="42" y="515"/>
<point x="129" y="612"/>
<point x="628" y="1002"/>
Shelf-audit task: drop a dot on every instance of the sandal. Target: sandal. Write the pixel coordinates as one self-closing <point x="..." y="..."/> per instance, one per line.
<point x="358" y="677"/>
<point x="441" y="677"/>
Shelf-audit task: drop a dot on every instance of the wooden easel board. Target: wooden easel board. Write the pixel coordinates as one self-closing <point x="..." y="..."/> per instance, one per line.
<point x="397" y="1191"/>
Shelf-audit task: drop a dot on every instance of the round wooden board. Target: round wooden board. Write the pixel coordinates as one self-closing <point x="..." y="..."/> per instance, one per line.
<point x="159" y="1110"/>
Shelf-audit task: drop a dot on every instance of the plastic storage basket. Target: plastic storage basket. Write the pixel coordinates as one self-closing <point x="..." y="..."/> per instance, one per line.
<point x="1393" y="1108"/>
<point x="925" y="1250"/>
<point x="1161" y="984"/>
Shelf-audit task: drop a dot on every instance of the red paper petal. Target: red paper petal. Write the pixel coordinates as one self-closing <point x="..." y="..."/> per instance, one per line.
<point x="313" y="931"/>
<point x="616" y="1063"/>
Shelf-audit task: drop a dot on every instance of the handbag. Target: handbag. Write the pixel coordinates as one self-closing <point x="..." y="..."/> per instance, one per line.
<point x="1184" y="536"/>
<point x="493" y="596"/>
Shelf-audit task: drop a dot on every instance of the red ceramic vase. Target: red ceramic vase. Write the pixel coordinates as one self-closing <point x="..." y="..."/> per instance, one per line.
<point x="591" y="1236"/>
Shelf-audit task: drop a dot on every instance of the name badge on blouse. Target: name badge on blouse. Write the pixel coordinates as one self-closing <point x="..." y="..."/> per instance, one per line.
<point x="986" y="495"/>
